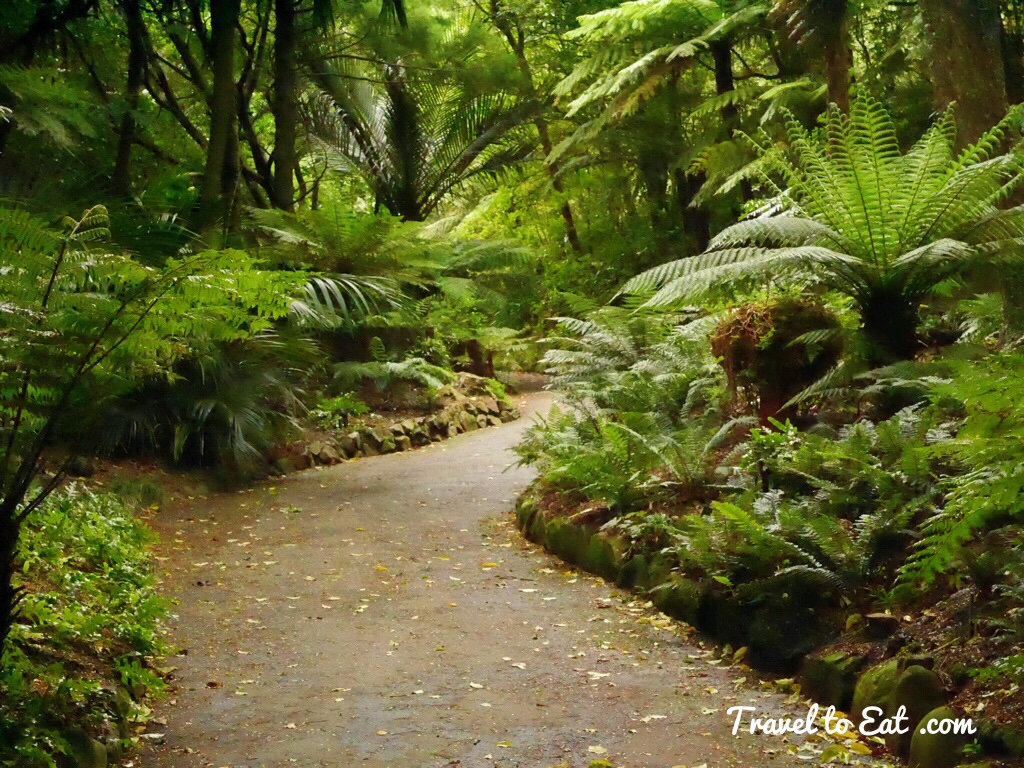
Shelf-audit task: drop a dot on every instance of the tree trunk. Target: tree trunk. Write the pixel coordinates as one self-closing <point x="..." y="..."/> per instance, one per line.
<point x="965" y="38"/>
<point x="285" y="104"/>
<point x="10" y="596"/>
<point x="968" y="67"/>
<point x="224" y="17"/>
<point x="725" y="80"/>
<point x="135" y="26"/>
<point x="838" y="63"/>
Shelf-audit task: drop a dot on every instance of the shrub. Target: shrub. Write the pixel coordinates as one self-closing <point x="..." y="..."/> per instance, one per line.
<point x="90" y="623"/>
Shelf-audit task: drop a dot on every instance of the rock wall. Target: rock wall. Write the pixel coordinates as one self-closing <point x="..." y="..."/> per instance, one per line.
<point x="461" y="414"/>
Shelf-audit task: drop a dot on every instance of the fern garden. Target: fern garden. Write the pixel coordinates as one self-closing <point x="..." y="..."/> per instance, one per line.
<point x="766" y="254"/>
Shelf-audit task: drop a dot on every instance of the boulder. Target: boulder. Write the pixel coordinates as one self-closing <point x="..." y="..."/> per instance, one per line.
<point x="481" y="421"/>
<point x="293" y="463"/>
<point x="490" y="406"/>
<point x="80" y="466"/>
<point x="350" y="444"/>
<point x="494" y="421"/>
<point x="403" y="443"/>
<point x="467" y="421"/>
<point x="875" y="689"/>
<point x="537" y="529"/>
<point x="1005" y="739"/>
<point x="375" y="437"/>
<point x="936" y="750"/>
<point x="726" y="618"/>
<point x="919" y="690"/>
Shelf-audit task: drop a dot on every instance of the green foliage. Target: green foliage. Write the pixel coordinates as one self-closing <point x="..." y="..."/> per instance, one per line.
<point x="859" y="216"/>
<point x="335" y="412"/>
<point x="414" y="141"/>
<point x="383" y="372"/>
<point x="90" y="622"/>
<point x="987" y="490"/>
<point x="223" y="408"/>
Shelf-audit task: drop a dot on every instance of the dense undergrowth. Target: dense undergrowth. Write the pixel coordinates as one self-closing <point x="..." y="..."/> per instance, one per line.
<point x="83" y="657"/>
<point x="780" y="450"/>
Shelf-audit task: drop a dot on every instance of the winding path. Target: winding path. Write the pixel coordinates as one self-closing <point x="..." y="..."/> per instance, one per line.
<point x="385" y="613"/>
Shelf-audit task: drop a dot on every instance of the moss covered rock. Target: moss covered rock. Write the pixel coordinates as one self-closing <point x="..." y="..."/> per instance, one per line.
<point x="724" y="616"/>
<point x="566" y="540"/>
<point x="634" y="573"/>
<point x="537" y="527"/>
<point x="784" y="630"/>
<point x="86" y="752"/>
<point x="1005" y="739"/>
<point x="935" y="750"/>
<point x="678" y="597"/>
<point x="919" y="690"/>
<point x="831" y="679"/>
<point x="604" y="555"/>
<point x="526" y="508"/>
<point x="659" y="569"/>
<point x="875" y="689"/>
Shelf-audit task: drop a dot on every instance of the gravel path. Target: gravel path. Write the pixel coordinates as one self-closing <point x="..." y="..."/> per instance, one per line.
<point x="386" y="613"/>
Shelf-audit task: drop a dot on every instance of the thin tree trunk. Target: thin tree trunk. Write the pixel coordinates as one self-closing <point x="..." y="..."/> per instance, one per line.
<point x="725" y="80"/>
<point x="285" y="104"/>
<point x="517" y="43"/>
<point x="224" y="17"/>
<point x="10" y="595"/>
<point x="135" y="26"/>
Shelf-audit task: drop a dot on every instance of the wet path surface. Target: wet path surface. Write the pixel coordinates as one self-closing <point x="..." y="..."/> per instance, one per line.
<point x="386" y="613"/>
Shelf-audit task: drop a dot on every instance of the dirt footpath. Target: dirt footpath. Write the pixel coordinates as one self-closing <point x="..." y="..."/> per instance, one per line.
<point x="386" y="613"/>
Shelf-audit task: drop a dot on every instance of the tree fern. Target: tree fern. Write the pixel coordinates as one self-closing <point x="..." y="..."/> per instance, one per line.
<point x="866" y="220"/>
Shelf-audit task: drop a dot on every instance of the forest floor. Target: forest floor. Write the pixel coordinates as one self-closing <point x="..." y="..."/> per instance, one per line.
<point x="386" y="613"/>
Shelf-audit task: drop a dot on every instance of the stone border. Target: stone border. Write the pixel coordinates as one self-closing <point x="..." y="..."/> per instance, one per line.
<point x="833" y="678"/>
<point x="464" y="414"/>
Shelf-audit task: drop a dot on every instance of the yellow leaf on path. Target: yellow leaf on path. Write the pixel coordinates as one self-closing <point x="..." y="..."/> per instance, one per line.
<point x="503" y="744"/>
<point x="382" y="733"/>
<point x="488" y="565"/>
<point x="597" y="750"/>
<point x="860" y="749"/>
